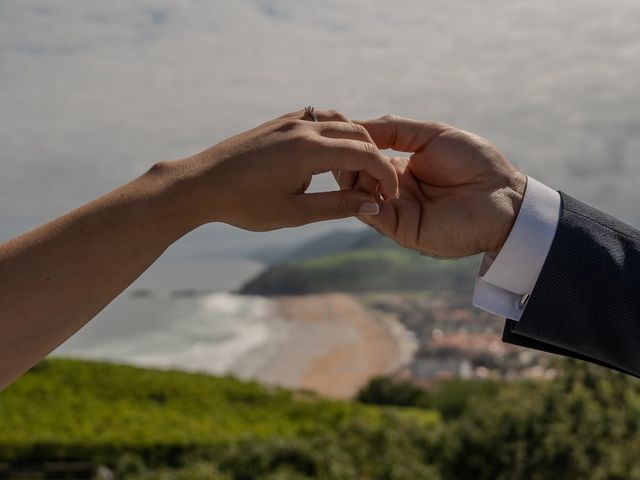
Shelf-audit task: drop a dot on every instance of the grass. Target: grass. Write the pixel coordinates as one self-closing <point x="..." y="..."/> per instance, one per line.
<point x="78" y="410"/>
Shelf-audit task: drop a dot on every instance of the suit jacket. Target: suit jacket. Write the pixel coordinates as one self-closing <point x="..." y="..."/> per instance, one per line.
<point x="586" y="302"/>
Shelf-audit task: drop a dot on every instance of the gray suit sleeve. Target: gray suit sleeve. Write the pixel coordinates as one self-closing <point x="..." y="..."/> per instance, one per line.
<point x="586" y="302"/>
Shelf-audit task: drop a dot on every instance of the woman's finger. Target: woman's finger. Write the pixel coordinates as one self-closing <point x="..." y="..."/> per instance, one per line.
<point x="345" y="180"/>
<point x="315" y="207"/>
<point x="343" y="129"/>
<point x="331" y="116"/>
<point x="353" y="131"/>
<point x="355" y="156"/>
<point x="367" y="183"/>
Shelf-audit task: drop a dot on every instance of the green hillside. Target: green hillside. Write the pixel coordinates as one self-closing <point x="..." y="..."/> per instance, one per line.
<point x="149" y="425"/>
<point x="373" y="263"/>
<point x="78" y="410"/>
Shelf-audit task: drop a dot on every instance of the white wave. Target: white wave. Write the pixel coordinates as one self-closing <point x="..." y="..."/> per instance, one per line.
<point x="210" y="333"/>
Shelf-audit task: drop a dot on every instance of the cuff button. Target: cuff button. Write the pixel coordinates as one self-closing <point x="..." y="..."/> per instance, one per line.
<point x="523" y="300"/>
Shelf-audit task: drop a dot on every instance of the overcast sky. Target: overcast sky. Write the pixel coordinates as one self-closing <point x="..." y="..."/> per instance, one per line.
<point x="94" y="92"/>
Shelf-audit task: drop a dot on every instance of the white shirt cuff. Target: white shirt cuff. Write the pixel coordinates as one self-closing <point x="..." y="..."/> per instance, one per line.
<point x="506" y="280"/>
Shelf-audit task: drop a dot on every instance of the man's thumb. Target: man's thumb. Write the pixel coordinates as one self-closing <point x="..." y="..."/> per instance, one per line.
<point x="332" y="205"/>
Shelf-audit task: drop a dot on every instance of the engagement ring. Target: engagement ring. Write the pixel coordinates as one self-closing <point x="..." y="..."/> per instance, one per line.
<point x="312" y="112"/>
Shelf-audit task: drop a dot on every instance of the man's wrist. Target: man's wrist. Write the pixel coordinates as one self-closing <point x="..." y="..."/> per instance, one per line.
<point x="507" y="279"/>
<point x="509" y="206"/>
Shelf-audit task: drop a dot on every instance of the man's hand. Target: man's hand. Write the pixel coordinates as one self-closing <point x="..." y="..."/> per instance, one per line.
<point x="458" y="194"/>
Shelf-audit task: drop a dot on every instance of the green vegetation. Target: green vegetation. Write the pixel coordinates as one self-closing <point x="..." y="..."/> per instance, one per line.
<point x="583" y="425"/>
<point x="147" y="424"/>
<point x="385" y="267"/>
<point x="69" y="410"/>
<point x="450" y="398"/>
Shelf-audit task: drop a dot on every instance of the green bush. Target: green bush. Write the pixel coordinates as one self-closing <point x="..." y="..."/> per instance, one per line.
<point x="586" y="424"/>
<point x="450" y="398"/>
<point x="147" y="424"/>
<point x="392" y="451"/>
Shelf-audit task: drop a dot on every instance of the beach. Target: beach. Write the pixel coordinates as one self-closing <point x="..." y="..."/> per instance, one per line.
<point x="327" y="343"/>
<point x="333" y="346"/>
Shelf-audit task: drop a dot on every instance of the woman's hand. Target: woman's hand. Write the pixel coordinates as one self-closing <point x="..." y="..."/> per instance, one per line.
<point x="57" y="277"/>
<point x="257" y="180"/>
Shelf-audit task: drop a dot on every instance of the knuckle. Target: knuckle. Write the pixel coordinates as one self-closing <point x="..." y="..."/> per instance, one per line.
<point x="399" y="164"/>
<point x="369" y="149"/>
<point x="359" y="130"/>
<point x="391" y="118"/>
<point x="303" y="143"/>
<point x="443" y="126"/>
<point x="289" y="125"/>
<point x="335" y="114"/>
<point x="307" y="138"/>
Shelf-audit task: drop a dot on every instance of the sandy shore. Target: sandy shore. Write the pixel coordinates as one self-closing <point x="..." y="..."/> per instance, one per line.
<point x="333" y="345"/>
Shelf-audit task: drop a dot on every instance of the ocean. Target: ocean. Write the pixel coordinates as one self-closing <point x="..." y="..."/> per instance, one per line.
<point x="163" y="321"/>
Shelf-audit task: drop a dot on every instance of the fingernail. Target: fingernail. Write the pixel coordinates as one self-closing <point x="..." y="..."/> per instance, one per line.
<point x="369" y="208"/>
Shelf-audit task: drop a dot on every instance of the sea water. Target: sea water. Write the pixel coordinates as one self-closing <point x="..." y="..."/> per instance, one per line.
<point x="184" y="328"/>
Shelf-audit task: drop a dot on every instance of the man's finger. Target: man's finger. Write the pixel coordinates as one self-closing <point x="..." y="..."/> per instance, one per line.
<point x="355" y="156"/>
<point x="402" y="134"/>
<point x="315" y="207"/>
<point x="349" y="130"/>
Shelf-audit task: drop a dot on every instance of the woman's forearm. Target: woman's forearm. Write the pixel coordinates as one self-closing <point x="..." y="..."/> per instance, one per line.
<point x="60" y="275"/>
<point x="57" y="277"/>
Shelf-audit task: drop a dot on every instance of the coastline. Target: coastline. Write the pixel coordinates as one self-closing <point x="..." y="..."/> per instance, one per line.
<point x="327" y="343"/>
<point x="331" y="344"/>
